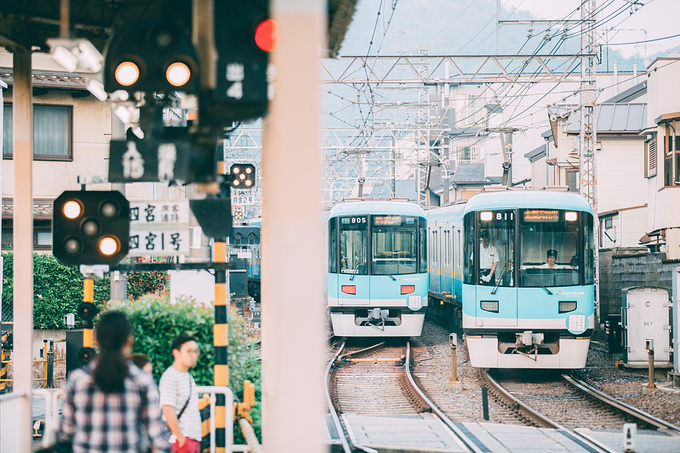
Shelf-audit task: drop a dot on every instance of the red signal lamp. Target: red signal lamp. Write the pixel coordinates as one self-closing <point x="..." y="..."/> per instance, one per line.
<point x="267" y="35"/>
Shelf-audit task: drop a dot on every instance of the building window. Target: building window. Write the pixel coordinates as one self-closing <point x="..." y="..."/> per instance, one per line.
<point x="572" y="180"/>
<point x="466" y="154"/>
<point x="671" y="154"/>
<point x="52" y="132"/>
<point x="42" y="234"/>
<point x="471" y="111"/>
<point x="650" y="158"/>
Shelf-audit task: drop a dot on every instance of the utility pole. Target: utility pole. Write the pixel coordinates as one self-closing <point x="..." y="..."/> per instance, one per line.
<point x="588" y="133"/>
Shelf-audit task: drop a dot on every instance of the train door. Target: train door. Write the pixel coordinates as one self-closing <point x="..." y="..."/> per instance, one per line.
<point x="496" y="290"/>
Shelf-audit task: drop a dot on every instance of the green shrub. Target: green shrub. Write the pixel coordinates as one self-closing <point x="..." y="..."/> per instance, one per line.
<point x="157" y="322"/>
<point x="58" y="289"/>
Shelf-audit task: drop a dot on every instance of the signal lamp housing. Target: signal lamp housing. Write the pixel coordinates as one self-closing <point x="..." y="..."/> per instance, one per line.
<point x="152" y="55"/>
<point x="242" y="175"/>
<point x="91" y="227"/>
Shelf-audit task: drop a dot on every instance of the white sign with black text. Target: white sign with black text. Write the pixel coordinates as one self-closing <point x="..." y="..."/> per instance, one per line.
<point x="159" y="228"/>
<point x="243" y="197"/>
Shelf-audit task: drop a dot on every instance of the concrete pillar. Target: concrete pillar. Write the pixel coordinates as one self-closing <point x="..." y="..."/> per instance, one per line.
<point x="22" y="354"/>
<point x="293" y="300"/>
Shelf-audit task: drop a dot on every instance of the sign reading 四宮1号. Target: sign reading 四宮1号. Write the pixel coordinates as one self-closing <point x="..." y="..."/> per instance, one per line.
<point x="159" y="228"/>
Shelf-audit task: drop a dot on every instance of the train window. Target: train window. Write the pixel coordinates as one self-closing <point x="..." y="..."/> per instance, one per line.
<point x="394" y="247"/>
<point x="550" y="248"/>
<point x="589" y="250"/>
<point x="469" y="252"/>
<point x="333" y="245"/>
<point x="422" y="237"/>
<point x="354" y="245"/>
<point x="496" y="248"/>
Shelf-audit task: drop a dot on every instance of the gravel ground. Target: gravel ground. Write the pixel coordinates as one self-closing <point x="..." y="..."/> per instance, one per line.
<point x="629" y="385"/>
<point x="432" y="368"/>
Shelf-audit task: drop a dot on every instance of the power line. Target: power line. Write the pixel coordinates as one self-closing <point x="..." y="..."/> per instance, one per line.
<point x="644" y="41"/>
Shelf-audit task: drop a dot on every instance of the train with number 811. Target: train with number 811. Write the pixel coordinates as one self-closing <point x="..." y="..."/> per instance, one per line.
<point x="377" y="268"/>
<point x="515" y="269"/>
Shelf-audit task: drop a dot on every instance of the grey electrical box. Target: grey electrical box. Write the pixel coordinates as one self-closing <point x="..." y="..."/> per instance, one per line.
<point x="645" y="319"/>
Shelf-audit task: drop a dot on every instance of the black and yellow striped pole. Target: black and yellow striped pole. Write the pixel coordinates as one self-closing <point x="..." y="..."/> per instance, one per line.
<point x="87" y="312"/>
<point x="3" y="361"/>
<point x="221" y="342"/>
<point x="221" y="334"/>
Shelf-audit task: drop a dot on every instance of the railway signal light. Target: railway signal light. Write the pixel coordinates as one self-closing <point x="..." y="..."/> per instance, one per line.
<point x="91" y="227"/>
<point x="244" y="37"/>
<point x="242" y="176"/>
<point x="152" y="54"/>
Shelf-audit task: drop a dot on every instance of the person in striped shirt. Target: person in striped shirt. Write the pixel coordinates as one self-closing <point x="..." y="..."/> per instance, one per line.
<point x="179" y="397"/>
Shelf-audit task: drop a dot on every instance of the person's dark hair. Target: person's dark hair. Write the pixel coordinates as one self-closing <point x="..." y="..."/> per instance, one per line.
<point x="140" y="360"/>
<point x="113" y="330"/>
<point x="179" y="341"/>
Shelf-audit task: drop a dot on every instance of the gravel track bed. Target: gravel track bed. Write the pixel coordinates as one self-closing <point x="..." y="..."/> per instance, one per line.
<point x="432" y="370"/>
<point x="629" y="385"/>
<point x="369" y="388"/>
<point x="548" y="394"/>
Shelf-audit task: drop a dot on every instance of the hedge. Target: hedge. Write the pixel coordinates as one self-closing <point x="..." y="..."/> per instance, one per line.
<point x="58" y="289"/>
<point x="157" y="322"/>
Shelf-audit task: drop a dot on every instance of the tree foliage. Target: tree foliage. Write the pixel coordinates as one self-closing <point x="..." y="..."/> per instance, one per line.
<point x="58" y="289"/>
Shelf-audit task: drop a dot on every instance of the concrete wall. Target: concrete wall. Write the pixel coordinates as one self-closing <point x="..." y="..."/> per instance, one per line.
<point x="620" y="175"/>
<point x="627" y="267"/>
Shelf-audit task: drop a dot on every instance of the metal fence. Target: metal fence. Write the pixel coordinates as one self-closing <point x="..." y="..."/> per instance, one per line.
<point x="9" y="422"/>
<point x="52" y="418"/>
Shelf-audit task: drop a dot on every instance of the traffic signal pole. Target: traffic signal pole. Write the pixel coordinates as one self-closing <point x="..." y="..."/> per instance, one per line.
<point x="292" y="278"/>
<point x="22" y="354"/>
<point x="220" y="342"/>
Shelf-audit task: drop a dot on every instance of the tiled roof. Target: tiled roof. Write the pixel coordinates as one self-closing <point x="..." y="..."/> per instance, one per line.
<point x="44" y="79"/>
<point x="470" y="174"/>
<point x="42" y="209"/>
<point x="535" y="153"/>
<point x="614" y="118"/>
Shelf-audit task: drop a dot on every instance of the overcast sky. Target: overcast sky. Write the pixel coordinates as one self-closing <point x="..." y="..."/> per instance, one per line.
<point x="658" y="17"/>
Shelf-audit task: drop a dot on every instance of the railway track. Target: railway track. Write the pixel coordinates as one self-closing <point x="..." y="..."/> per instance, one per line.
<point x="379" y="385"/>
<point x="569" y="405"/>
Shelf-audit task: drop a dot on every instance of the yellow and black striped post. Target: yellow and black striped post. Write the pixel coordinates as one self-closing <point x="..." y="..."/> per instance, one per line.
<point x="88" y="297"/>
<point x="3" y="362"/>
<point x="221" y="342"/>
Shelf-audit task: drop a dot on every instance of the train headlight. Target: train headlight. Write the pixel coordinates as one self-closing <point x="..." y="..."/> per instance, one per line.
<point x="489" y="305"/>
<point x="570" y="216"/>
<point x="565" y="306"/>
<point x="485" y="216"/>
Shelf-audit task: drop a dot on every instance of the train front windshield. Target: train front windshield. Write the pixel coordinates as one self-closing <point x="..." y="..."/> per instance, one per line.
<point x="553" y="248"/>
<point x="396" y="244"/>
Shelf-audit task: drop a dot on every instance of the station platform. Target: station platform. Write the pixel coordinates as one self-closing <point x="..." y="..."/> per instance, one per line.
<point x="426" y="433"/>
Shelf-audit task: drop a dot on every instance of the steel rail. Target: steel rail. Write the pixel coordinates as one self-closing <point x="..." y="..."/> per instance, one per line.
<point x="467" y="442"/>
<point x="343" y="434"/>
<point x="584" y="440"/>
<point x="620" y="405"/>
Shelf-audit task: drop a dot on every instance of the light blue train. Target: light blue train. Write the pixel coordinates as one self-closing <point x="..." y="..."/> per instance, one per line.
<point x="515" y="269"/>
<point x="377" y="269"/>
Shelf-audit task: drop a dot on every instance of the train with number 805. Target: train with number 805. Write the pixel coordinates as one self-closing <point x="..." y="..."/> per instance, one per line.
<point x="515" y="269"/>
<point x="377" y="268"/>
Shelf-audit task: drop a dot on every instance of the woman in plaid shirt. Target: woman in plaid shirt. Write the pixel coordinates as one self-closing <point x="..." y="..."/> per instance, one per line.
<point x="111" y="405"/>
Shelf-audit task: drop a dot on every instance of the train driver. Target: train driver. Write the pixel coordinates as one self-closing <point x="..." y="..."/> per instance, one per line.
<point x="551" y="257"/>
<point x="488" y="259"/>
